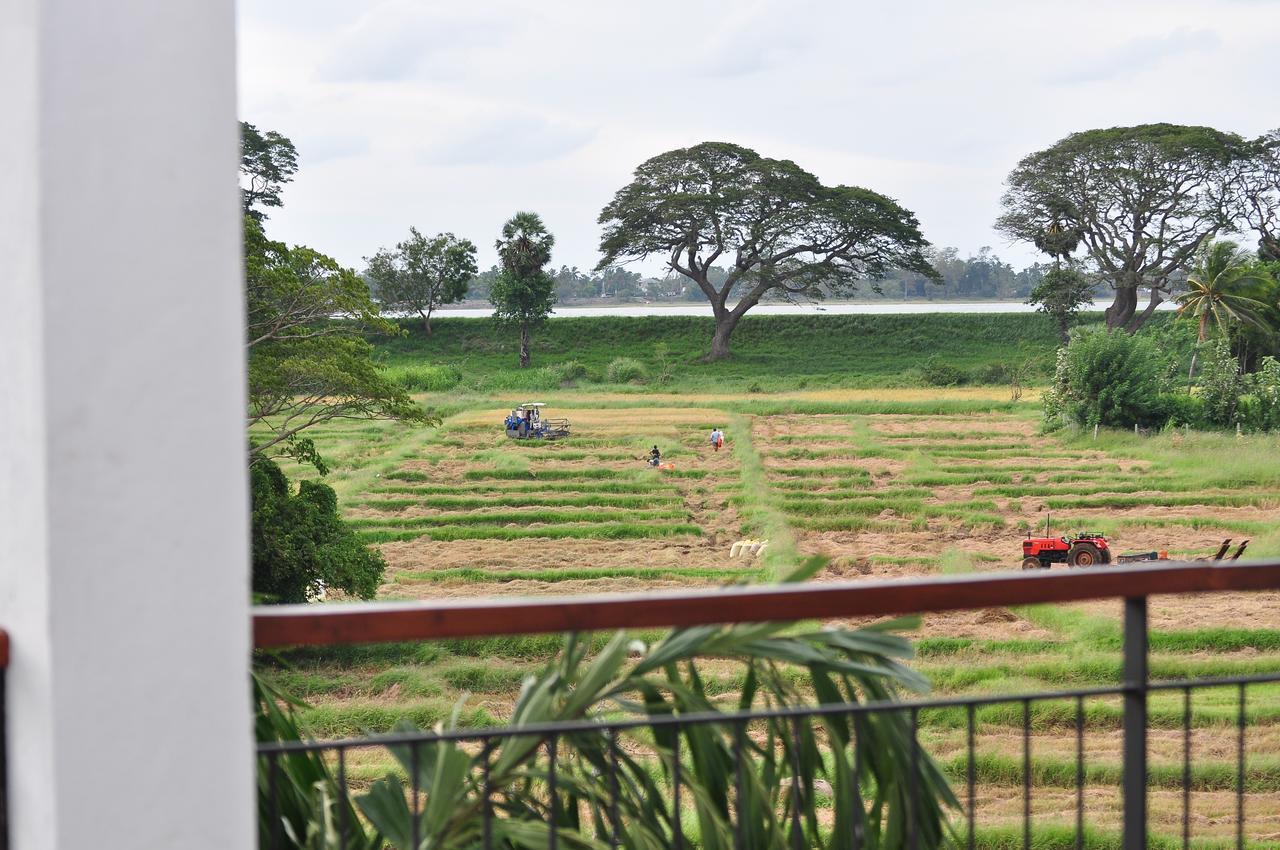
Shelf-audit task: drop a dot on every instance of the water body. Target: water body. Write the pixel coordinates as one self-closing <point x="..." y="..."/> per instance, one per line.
<point x="872" y="308"/>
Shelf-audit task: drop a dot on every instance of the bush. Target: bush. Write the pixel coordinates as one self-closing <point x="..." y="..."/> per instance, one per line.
<point x="938" y="372"/>
<point x="301" y="544"/>
<point x="426" y="379"/>
<point x="1182" y="409"/>
<point x="624" y="370"/>
<point x="1107" y="378"/>
<point x="992" y="374"/>
<point x="1260" y="409"/>
<point x="1221" y="384"/>
<point x="570" y="371"/>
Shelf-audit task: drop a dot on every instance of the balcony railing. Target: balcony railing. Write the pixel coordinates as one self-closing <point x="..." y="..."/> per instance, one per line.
<point x="656" y="749"/>
<point x="662" y="742"/>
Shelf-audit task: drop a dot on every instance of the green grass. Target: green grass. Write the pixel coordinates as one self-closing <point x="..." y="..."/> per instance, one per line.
<point x="517" y="517"/>
<point x="773" y="353"/>
<point x="585" y="531"/>
<point x="471" y="574"/>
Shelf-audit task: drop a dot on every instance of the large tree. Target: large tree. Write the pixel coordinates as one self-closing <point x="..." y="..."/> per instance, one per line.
<point x="523" y="292"/>
<point x="775" y="225"/>
<point x="1142" y="200"/>
<point x="421" y="274"/>
<point x="267" y="162"/>
<point x="305" y="368"/>
<point x="1259" y="183"/>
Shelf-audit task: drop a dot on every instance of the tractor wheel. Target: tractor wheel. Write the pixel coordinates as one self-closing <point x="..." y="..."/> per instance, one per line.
<point x="1084" y="555"/>
<point x="1032" y="564"/>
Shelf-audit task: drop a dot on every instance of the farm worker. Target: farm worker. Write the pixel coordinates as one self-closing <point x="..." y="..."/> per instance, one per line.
<point x="717" y="438"/>
<point x="655" y="456"/>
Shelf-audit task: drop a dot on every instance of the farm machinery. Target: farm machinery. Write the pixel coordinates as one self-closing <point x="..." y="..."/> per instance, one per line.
<point x="1084" y="549"/>
<point x="526" y="422"/>
<point x="1090" y="548"/>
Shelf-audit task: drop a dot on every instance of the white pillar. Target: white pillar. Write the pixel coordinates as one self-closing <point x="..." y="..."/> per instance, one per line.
<point x="123" y="529"/>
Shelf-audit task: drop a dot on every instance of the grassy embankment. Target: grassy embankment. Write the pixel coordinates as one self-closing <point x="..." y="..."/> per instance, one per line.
<point x="771" y="353"/>
<point x="893" y="482"/>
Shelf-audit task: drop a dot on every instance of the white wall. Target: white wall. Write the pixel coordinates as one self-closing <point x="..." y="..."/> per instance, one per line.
<point x="123" y="539"/>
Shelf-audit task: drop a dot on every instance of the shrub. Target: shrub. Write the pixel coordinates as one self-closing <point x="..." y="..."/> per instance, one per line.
<point x="1106" y="378"/>
<point x="992" y="374"/>
<point x="570" y="371"/>
<point x="1260" y="409"/>
<point x="938" y="372"/>
<point x="1182" y="409"/>
<point x="1221" y="384"/>
<point x="300" y="542"/>
<point x="624" y="370"/>
<point x="426" y="379"/>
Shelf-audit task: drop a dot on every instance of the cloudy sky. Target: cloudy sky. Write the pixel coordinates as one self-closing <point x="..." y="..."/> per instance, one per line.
<point x="452" y="116"/>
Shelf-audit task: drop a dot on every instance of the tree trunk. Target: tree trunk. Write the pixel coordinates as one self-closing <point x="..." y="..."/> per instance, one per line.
<point x="1137" y="320"/>
<point x="426" y="320"/>
<point x="1064" y="327"/>
<point x="524" y="346"/>
<point x="1123" y="305"/>
<point x="725" y="323"/>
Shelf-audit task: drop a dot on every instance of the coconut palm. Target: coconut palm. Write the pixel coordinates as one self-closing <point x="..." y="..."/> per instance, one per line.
<point x="1219" y="291"/>
<point x="1218" y="287"/>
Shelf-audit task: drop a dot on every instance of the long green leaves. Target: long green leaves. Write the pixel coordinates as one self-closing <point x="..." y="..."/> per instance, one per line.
<point x="762" y="777"/>
<point x="299" y="801"/>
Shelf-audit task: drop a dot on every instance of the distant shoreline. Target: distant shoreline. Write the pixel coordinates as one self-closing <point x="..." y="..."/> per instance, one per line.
<point x="826" y="308"/>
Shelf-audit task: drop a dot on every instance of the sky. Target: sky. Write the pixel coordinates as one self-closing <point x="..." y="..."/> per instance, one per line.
<point x="451" y="117"/>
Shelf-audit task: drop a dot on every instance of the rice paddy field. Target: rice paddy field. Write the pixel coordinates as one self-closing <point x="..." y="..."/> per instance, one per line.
<point x="885" y="483"/>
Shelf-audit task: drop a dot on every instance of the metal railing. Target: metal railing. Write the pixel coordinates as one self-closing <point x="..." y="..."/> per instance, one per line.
<point x="657" y="746"/>
<point x="657" y="741"/>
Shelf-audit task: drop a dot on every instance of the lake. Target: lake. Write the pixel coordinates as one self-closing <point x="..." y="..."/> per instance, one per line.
<point x="872" y="308"/>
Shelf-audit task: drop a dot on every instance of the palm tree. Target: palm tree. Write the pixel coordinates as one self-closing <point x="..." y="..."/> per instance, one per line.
<point x="524" y="292"/>
<point x="1217" y="290"/>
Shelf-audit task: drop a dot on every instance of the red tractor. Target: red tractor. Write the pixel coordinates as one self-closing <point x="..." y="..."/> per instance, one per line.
<point x="1084" y="549"/>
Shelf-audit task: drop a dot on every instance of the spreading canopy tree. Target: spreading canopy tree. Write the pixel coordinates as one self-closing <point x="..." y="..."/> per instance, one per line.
<point x="775" y="225"/>
<point x="304" y="367"/>
<point x="1141" y="200"/>
<point x="1259" y="183"/>
<point x="421" y="274"/>
<point x="523" y="292"/>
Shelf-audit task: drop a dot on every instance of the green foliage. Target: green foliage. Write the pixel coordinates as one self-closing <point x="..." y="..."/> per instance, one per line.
<point x="425" y="379"/>
<point x="523" y="292"/>
<point x="300" y="786"/>
<point x="1221" y="384"/>
<point x="1106" y="378"/>
<point x="839" y="665"/>
<point x="570" y="372"/>
<point x="1155" y="193"/>
<point x="304" y="368"/>
<point x="777" y="352"/>
<point x="301" y="544"/>
<point x="1223" y="289"/>
<point x="267" y="161"/>
<point x="421" y="274"/>
<point x="788" y="233"/>
<point x="624" y="370"/>
<point x="1259" y="410"/>
<point x="939" y="372"/>
<point x="1061" y="293"/>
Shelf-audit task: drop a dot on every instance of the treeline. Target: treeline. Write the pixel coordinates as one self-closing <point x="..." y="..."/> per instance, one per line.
<point x="979" y="276"/>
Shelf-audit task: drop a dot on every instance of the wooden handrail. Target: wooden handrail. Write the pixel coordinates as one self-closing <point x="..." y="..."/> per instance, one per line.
<point x="373" y="622"/>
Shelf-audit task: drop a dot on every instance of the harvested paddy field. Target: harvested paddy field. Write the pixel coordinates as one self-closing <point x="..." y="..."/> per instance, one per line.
<point x="904" y="488"/>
